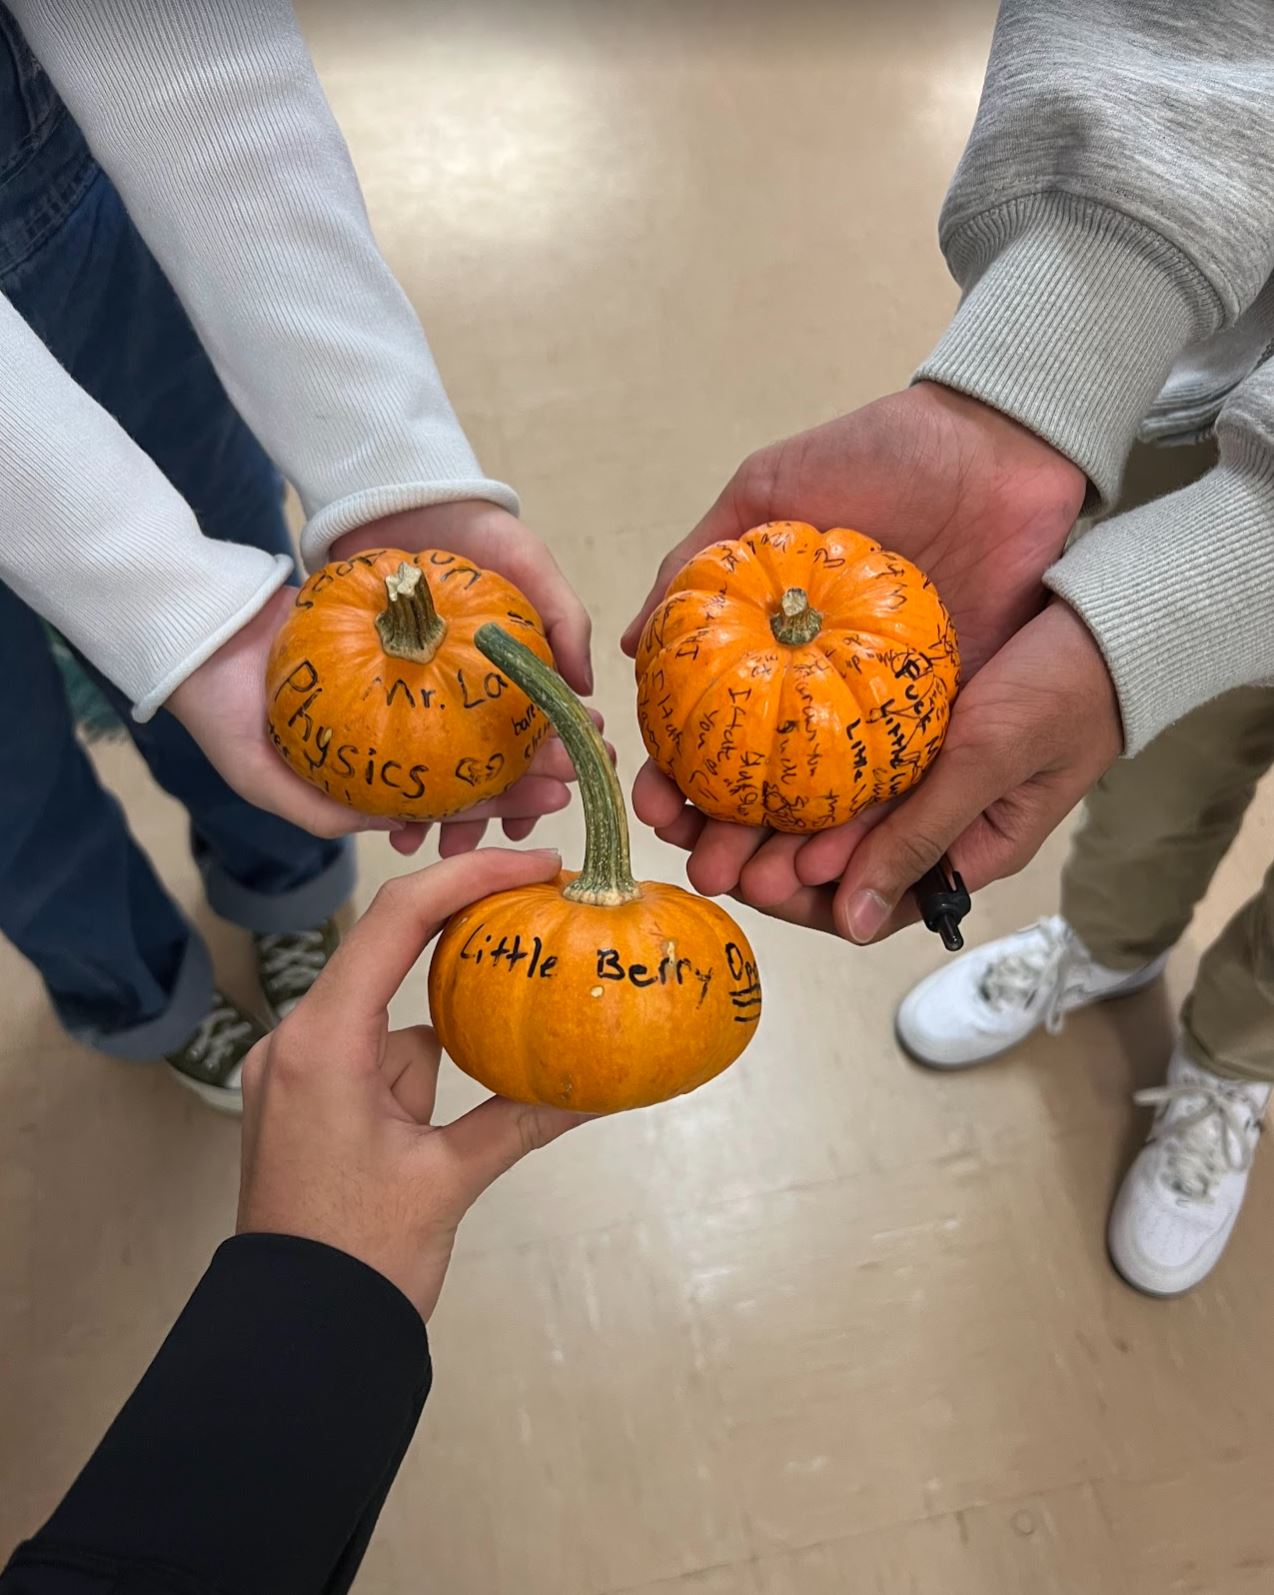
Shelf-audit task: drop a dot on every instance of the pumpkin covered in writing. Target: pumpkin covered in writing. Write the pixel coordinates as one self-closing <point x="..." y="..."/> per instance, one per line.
<point x="793" y="676"/>
<point x="594" y="991"/>
<point x="377" y="695"/>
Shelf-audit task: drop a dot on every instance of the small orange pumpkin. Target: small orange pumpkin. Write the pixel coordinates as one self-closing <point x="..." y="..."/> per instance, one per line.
<point x="376" y="694"/>
<point x="592" y="991"/>
<point x="793" y="676"/>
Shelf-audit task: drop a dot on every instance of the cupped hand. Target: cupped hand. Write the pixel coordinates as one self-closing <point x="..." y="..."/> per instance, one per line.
<point x="1029" y="737"/>
<point x="222" y="705"/>
<point x="980" y="504"/>
<point x="338" y="1140"/>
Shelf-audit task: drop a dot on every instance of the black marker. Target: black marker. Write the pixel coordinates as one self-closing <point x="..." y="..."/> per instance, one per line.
<point x="944" y="901"/>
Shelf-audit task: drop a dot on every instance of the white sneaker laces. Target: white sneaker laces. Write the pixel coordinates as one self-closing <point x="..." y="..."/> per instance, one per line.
<point x="292" y="961"/>
<point x="1046" y="958"/>
<point x="220" y="1038"/>
<point x="1203" y="1145"/>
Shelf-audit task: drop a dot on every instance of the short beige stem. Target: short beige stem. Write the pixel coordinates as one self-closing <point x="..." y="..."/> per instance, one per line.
<point x="410" y="628"/>
<point x="796" y="623"/>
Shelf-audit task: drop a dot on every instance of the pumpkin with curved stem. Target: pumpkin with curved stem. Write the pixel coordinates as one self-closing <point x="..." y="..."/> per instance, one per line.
<point x="593" y="991"/>
<point x="793" y="676"/>
<point x="376" y="694"/>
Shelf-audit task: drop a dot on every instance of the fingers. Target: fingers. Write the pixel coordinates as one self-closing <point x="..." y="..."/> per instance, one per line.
<point x="532" y="796"/>
<point x="410" y="1070"/>
<point x="685" y="830"/>
<point x="809" y="906"/>
<point x="657" y="801"/>
<point x="718" y="852"/>
<point x="823" y="857"/>
<point x="488" y="1140"/>
<point x="517" y="830"/>
<point x="352" y="994"/>
<point x="409" y="840"/>
<point x="266" y="782"/>
<point x="769" y="877"/>
<point x="720" y="855"/>
<point x="551" y="758"/>
<point x="907" y="843"/>
<point x="566" y="622"/>
<point x="668" y="568"/>
<point x="460" y="836"/>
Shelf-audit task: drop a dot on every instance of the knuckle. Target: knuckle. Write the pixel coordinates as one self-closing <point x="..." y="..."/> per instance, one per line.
<point x="916" y="851"/>
<point x="391" y="894"/>
<point x="532" y="1132"/>
<point x="254" y="1067"/>
<point x="286" y="1052"/>
<point x="755" y="479"/>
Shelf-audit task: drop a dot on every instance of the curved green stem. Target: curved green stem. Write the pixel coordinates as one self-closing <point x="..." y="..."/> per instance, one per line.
<point x="607" y="876"/>
<point x="410" y="627"/>
<point x="796" y="623"/>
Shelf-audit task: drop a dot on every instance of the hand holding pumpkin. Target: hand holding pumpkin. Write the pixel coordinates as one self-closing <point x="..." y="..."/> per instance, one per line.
<point x="1029" y="737"/>
<point x="978" y="503"/>
<point x="222" y="705"/>
<point x="494" y="540"/>
<point x="593" y="991"/>
<point x="338" y="1140"/>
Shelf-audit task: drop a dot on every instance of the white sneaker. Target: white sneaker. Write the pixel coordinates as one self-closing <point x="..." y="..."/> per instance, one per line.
<point x="1180" y="1199"/>
<point x="986" y="1001"/>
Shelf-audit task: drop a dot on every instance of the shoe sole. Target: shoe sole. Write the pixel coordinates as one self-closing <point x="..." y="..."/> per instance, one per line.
<point x="1145" y="1290"/>
<point x="1130" y="989"/>
<point x="229" y="1103"/>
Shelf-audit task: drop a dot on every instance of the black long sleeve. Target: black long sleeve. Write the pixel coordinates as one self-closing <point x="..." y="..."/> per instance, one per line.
<point x="254" y="1456"/>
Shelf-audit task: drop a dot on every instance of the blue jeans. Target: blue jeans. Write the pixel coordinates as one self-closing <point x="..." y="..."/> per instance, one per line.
<point x="124" y="969"/>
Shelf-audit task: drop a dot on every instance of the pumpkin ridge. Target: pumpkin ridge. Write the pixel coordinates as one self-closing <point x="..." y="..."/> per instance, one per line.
<point x="772" y="773"/>
<point x="772" y="683"/>
<point x="687" y="716"/>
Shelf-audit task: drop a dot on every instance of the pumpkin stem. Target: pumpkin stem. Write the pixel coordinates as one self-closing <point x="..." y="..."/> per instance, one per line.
<point x="410" y="627"/>
<point x="796" y="623"/>
<point x="607" y="876"/>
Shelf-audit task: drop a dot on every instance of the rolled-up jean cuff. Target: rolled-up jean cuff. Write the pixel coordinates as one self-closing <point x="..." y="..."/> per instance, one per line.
<point x="190" y="1002"/>
<point x="302" y="908"/>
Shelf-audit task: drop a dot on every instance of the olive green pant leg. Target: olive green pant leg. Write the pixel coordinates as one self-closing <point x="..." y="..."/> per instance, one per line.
<point x="1156" y="827"/>
<point x="1228" y="1018"/>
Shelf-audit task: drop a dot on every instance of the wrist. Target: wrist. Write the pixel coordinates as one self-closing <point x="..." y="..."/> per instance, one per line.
<point x="1081" y="663"/>
<point x="1005" y="444"/>
<point x="426" y="526"/>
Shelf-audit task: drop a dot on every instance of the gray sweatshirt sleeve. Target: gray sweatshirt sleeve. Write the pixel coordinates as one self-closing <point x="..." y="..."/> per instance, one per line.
<point x="1180" y="593"/>
<point x="1115" y="204"/>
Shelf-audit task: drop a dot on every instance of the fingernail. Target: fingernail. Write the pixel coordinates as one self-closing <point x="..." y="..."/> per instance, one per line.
<point x="544" y="852"/>
<point x="865" y="913"/>
<point x="385" y="825"/>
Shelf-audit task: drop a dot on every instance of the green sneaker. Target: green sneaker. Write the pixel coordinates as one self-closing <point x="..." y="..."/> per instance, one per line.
<point x="211" y="1062"/>
<point x="288" y="964"/>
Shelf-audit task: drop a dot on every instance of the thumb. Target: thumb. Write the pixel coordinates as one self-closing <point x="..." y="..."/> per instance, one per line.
<point x="488" y="1140"/>
<point x="893" y="856"/>
<point x="569" y="630"/>
<point x="267" y="783"/>
<point x="726" y="519"/>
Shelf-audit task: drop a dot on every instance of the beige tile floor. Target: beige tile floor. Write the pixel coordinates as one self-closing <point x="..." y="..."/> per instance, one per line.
<point x="832" y="1324"/>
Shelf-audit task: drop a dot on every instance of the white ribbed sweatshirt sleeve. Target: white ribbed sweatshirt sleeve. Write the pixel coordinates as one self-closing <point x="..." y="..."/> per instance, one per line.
<point x="210" y="121"/>
<point x="93" y="536"/>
